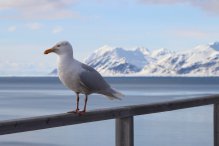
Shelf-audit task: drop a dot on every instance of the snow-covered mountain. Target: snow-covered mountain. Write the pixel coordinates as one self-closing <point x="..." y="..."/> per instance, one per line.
<point x="202" y="60"/>
<point x="113" y="61"/>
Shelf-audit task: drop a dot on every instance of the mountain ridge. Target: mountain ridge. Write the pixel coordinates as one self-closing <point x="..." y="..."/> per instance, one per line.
<point x="202" y="60"/>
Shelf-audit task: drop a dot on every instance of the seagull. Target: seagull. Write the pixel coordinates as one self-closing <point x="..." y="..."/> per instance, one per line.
<point x="79" y="77"/>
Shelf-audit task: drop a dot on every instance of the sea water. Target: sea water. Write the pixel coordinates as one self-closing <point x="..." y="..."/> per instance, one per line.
<point x="34" y="96"/>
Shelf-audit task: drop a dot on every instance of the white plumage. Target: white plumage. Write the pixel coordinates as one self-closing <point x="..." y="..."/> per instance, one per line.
<point x="80" y="77"/>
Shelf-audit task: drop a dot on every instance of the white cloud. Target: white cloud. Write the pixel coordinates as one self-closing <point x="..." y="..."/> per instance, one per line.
<point x="10" y="68"/>
<point x="12" y="28"/>
<point x="57" y="29"/>
<point x="190" y="33"/>
<point x="38" y="9"/>
<point x="210" y="6"/>
<point x="34" y="26"/>
<point x="163" y="1"/>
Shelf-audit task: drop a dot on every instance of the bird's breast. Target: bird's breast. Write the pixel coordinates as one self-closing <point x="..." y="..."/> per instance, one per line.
<point x="69" y="76"/>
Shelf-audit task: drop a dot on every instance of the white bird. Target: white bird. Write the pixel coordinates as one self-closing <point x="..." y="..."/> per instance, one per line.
<point x="80" y="77"/>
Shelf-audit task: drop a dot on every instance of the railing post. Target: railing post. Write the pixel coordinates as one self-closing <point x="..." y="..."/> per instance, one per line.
<point x="124" y="131"/>
<point x="216" y="124"/>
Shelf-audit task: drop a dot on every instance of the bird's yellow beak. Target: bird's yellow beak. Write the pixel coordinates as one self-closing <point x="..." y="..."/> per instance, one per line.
<point x="49" y="51"/>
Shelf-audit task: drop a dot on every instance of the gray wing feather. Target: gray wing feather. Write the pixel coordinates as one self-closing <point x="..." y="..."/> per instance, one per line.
<point x="92" y="80"/>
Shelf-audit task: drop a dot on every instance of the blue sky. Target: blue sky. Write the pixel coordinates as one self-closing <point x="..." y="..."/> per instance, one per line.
<point x="28" y="27"/>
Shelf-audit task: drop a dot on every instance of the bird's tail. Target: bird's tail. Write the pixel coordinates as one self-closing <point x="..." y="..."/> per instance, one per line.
<point x="112" y="94"/>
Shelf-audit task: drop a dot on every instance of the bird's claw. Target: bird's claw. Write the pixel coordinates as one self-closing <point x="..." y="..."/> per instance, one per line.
<point x="81" y="112"/>
<point x="78" y="112"/>
<point x="75" y="112"/>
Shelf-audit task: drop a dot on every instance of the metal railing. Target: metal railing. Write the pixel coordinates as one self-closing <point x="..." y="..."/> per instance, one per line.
<point x="124" y="130"/>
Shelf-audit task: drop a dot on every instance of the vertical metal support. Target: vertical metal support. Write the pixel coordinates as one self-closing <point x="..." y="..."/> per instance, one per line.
<point x="216" y="124"/>
<point x="124" y="131"/>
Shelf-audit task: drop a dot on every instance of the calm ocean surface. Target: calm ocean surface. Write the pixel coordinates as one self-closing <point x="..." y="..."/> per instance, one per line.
<point x="33" y="96"/>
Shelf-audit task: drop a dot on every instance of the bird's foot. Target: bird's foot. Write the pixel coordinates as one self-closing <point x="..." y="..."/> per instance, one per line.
<point x="75" y="112"/>
<point x="82" y="112"/>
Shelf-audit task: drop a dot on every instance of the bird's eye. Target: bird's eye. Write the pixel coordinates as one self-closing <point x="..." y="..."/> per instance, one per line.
<point x="58" y="45"/>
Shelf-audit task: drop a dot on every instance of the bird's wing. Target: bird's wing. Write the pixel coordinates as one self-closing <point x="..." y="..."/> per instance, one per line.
<point x="92" y="80"/>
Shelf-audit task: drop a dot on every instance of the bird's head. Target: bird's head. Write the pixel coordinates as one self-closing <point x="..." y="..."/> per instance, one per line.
<point x="61" y="48"/>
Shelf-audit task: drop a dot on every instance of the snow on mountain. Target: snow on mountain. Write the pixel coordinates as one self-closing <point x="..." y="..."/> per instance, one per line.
<point x="215" y="46"/>
<point x="166" y="65"/>
<point x="108" y="60"/>
<point x="160" y="53"/>
<point x="134" y="62"/>
<point x="202" y="60"/>
<point x="142" y="50"/>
